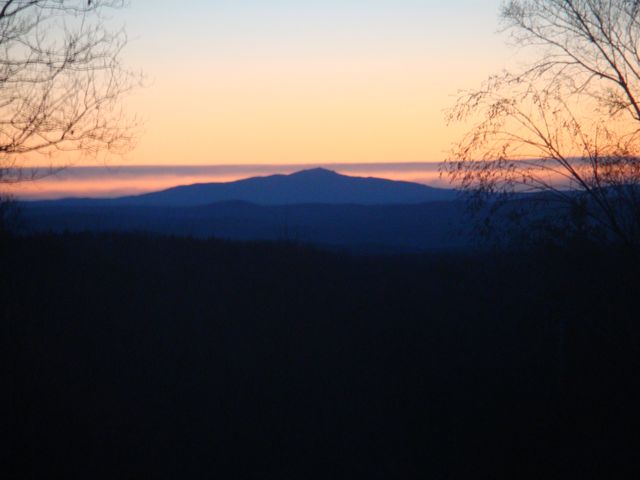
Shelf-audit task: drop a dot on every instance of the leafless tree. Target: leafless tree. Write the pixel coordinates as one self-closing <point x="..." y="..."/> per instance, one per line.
<point x="61" y="82"/>
<point x="567" y="124"/>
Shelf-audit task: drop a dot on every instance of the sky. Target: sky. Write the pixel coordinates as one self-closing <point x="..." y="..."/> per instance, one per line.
<point x="313" y="82"/>
<point x="283" y="81"/>
<point x="119" y="180"/>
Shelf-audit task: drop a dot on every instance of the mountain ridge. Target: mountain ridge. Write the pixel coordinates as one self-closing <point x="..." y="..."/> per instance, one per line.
<point x="360" y="228"/>
<point x="317" y="185"/>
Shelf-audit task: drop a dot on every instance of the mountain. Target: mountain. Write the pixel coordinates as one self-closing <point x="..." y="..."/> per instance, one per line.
<point x="312" y="206"/>
<point x="361" y="228"/>
<point x="308" y="186"/>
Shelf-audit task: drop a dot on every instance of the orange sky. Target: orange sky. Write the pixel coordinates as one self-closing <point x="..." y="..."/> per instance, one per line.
<point x="305" y="83"/>
<point x="118" y="181"/>
<point x="310" y="82"/>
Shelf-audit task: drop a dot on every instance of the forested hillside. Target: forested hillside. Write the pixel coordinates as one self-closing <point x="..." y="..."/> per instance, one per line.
<point x="130" y="356"/>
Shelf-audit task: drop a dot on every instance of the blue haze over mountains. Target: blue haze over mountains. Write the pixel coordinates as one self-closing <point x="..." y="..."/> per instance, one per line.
<point x="317" y="185"/>
<point x="315" y="206"/>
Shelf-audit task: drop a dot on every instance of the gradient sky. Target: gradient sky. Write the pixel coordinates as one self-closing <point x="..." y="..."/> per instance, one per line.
<point x="281" y="84"/>
<point x="283" y="81"/>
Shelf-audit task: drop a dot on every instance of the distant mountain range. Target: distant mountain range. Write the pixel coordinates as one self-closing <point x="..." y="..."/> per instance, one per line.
<point x="360" y="228"/>
<point x="307" y="186"/>
<point x="313" y="206"/>
<point x="317" y="186"/>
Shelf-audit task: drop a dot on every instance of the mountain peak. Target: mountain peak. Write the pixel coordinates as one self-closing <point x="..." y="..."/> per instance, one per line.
<point x="314" y="185"/>
<point x="315" y="172"/>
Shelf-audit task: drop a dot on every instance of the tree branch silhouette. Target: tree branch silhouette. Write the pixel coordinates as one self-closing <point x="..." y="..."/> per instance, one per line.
<point x="567" y="126"/>
<point x="61" y="83"/>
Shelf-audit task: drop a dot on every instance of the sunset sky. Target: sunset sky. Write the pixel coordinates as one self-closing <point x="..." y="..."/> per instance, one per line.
<point x="312" y="82"/>
<point x="286" y="81"/>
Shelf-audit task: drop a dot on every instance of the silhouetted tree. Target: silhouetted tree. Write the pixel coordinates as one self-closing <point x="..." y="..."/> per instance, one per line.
<point x="61" y="79"/>
<point x="567" y="125"/>
<point x="9" y="213"/>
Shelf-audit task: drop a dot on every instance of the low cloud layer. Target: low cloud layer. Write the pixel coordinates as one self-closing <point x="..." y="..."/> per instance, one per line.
<point x="126" y="180"/>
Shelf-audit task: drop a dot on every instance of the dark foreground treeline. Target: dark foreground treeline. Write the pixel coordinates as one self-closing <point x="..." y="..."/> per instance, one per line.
<point x="148" y="357"/>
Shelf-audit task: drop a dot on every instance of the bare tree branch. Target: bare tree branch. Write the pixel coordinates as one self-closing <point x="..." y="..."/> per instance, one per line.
<point x="61" y="82"/>
<point x="568" y="125"/>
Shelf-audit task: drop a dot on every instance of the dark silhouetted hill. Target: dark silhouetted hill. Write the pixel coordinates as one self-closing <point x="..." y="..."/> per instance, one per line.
<point x="141" y="356"/>
<point x="308" y="186"/>
<point x="316" y="206"/>
<point x="390" y="228"/>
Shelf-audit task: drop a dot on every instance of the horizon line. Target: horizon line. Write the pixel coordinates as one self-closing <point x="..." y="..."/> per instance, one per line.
<point x="105" y="181"/>
<point x="229" y="165"/>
